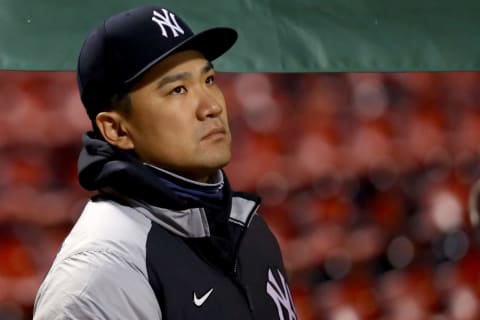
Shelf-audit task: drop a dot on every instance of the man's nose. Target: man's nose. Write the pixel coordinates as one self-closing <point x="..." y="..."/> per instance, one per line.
<point x="209" y="106"/>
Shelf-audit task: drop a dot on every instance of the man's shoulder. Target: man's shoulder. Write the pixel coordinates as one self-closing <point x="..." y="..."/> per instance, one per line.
<point x="111" y="220"/>
<point x="109" y="227"/>
<point x="91" y="284"/>
<point x="101" y="261"/>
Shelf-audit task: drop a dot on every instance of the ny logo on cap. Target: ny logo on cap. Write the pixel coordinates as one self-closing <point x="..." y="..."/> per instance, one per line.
<point x="167" y="20"/>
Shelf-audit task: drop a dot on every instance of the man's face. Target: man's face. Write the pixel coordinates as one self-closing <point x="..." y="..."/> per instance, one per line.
<point x="179" y="119"/>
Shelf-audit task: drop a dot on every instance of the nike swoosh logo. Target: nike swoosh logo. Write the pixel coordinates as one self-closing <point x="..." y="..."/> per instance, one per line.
<point x="199" y="301"/>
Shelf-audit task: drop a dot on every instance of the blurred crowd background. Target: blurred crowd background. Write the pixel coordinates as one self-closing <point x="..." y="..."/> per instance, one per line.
<point x="365" y="180"/>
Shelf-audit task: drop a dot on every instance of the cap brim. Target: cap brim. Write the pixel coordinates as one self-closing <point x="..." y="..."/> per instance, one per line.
<point x="212" y="43"/>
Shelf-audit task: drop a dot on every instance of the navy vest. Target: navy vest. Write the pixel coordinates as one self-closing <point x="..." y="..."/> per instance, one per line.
<point x="189" y="286"/>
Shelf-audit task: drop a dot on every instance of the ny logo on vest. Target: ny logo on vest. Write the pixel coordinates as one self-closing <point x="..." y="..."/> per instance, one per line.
<point x="278" y="290"/>
<point x="167" y="20"/>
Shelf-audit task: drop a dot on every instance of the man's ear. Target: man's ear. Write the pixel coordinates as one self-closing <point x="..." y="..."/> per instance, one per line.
<point x="114" y="130"/>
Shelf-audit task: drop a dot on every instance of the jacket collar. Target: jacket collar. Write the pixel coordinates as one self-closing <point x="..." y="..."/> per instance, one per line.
<point x="192" y="222"/>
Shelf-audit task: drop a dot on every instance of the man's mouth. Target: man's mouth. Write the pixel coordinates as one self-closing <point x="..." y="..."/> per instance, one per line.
<point x="215" y="133"/>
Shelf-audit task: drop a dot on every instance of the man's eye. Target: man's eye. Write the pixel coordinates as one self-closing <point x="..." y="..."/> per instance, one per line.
<point x="179" y="90"/>
<point x="210" y="80"/>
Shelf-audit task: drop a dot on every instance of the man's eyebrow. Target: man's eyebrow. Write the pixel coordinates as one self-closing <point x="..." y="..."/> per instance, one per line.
<point x="182" y="76"/>
<point x="173" y="78"/>
<point x="208" y="66"/>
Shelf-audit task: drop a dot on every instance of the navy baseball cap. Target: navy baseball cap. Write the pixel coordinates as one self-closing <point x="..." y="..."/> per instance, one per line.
<point x="122" y="48"/>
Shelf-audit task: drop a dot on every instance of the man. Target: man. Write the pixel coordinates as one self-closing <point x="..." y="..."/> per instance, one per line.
<point x="165" y="237"/>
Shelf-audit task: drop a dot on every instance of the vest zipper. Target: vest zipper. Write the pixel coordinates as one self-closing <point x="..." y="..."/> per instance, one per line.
<point x="243" y="288"/>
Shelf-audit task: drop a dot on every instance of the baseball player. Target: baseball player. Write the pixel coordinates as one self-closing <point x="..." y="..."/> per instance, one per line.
<point x="165" y="237"/>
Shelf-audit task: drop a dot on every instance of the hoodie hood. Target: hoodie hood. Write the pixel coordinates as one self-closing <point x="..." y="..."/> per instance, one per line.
<point x="104" y="167"/>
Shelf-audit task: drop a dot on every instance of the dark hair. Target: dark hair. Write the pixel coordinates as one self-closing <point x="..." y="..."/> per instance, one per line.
<point x="121" y="103"/>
